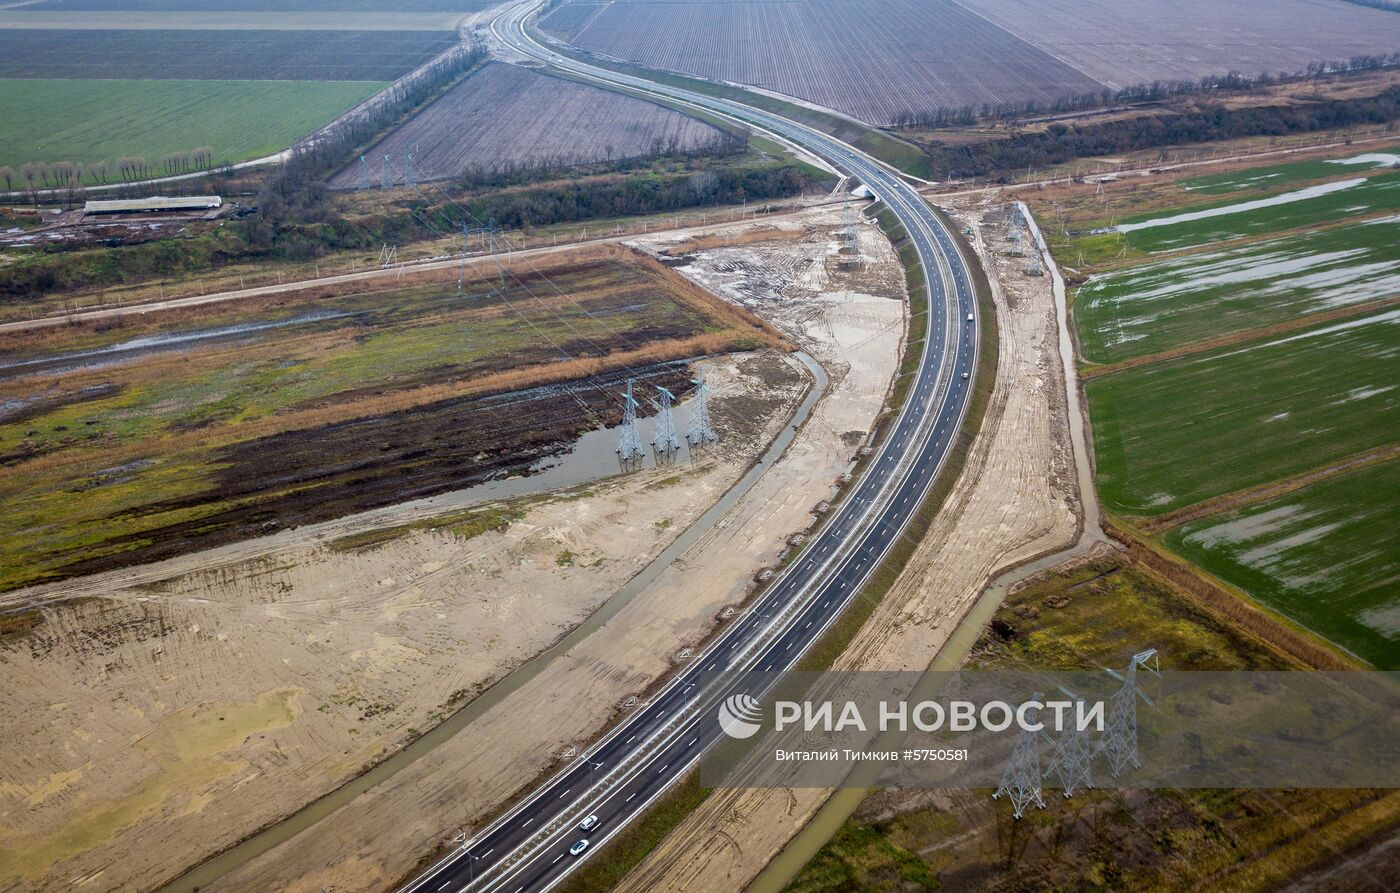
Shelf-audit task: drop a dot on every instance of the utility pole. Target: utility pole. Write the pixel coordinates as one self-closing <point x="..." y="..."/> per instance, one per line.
<point x="385" y="176"/>
<point x="362" y="182"/>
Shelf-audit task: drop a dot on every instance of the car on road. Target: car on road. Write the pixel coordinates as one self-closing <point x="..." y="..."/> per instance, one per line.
<point x="588" y="824"/>
<point x="969" y="317"/>
<point x="578" y="848"/>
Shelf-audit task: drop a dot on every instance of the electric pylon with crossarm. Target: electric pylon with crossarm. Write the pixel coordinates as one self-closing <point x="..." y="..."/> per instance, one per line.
<point x="666" y="444"/>
<point x="1120" y="737"/>
<point x="629" y="443"/>
<point x="700" y="433"/>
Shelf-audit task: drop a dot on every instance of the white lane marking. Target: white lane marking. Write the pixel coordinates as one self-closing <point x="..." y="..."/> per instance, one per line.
<point x="629" y="799"/>
<point x="693" y="740"/>
<point x="557" y="858"/>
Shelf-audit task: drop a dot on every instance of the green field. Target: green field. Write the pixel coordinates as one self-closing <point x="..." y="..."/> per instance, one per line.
<point x="1294" y="172"/>
<point x="1380" y="192"/>
<point x="1327" y="555"/>
<point x="1171" y="434"/>
<point x="92" y="120"/>
<point x="1169" y="303"/>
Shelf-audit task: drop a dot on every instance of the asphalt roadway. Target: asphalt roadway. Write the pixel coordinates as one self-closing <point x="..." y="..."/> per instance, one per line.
<point x="527" y="849"/>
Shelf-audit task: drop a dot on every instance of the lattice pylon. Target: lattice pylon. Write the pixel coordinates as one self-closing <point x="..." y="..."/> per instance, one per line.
<point x="701" y="431"/>
<point x="666" y="444"/>
<point x="629" y="442"/>
<point x="1020" y="780"/>
<point x="1070" y="760"/>
<point x="1120" y="742"/>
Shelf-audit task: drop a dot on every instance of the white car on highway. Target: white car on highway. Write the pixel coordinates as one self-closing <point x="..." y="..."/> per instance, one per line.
<point x="578" y="848"/>
<point x="588" y="824"/>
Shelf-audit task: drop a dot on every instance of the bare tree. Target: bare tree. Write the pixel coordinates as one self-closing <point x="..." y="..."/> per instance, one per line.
<point x="28" y="174"/>
<point x="7" y="174"/>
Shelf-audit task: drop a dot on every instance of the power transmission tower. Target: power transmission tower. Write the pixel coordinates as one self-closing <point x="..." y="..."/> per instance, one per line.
<point x="1120" y="737"/>
<point x="408" y="179"/>
<point x="385" y="175"/>
<point x="629" y="443"/>
<point x="701" y="432"/>
<point x="492" y="231"/>
<point x="388" y="256"/>
<point x="362" y="182"/>
<point x="462" y="268"/>
<point x="857" y="260"/>
<point x="1020" y="780"/>
<point x="1069" y="761"/>
<point x="667" y="444"/>
<point x="1033" y="262"/>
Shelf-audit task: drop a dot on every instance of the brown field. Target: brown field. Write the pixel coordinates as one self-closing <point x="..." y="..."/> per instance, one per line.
<point x="1126" y="42"/>
<point x="871" y="60"/>
<point x="506" y="116"/>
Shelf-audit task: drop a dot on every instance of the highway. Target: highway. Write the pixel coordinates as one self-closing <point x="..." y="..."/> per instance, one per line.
<point x="527" y="848"/>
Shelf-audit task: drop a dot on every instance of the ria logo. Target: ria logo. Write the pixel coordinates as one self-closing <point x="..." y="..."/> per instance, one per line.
<point x="739" y="716"/>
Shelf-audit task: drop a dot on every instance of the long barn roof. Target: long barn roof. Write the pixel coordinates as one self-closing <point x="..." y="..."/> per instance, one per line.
<point x="156" y="203"/>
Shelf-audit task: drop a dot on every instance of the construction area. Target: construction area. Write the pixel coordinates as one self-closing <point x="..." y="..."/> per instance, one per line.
<point x="225" y="677"/>
<point x="1017" y="499"/>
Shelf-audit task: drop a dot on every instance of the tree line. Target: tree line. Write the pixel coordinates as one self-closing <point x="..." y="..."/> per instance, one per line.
<point x="1061" y="142"/>
<point x="1156" y="91"/>
<point x="31" y="177"/>
<point x="725" y="144"/>
<point x="61" y="269"/>
<point x="296" y="191"/>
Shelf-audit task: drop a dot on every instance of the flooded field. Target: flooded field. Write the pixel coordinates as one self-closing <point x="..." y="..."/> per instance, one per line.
<point x="1328" y="556"/>
<point x="1168" y="303"/>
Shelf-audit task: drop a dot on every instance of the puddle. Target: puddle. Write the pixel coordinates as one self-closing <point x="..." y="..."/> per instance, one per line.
<point x="1287" y="198"/>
